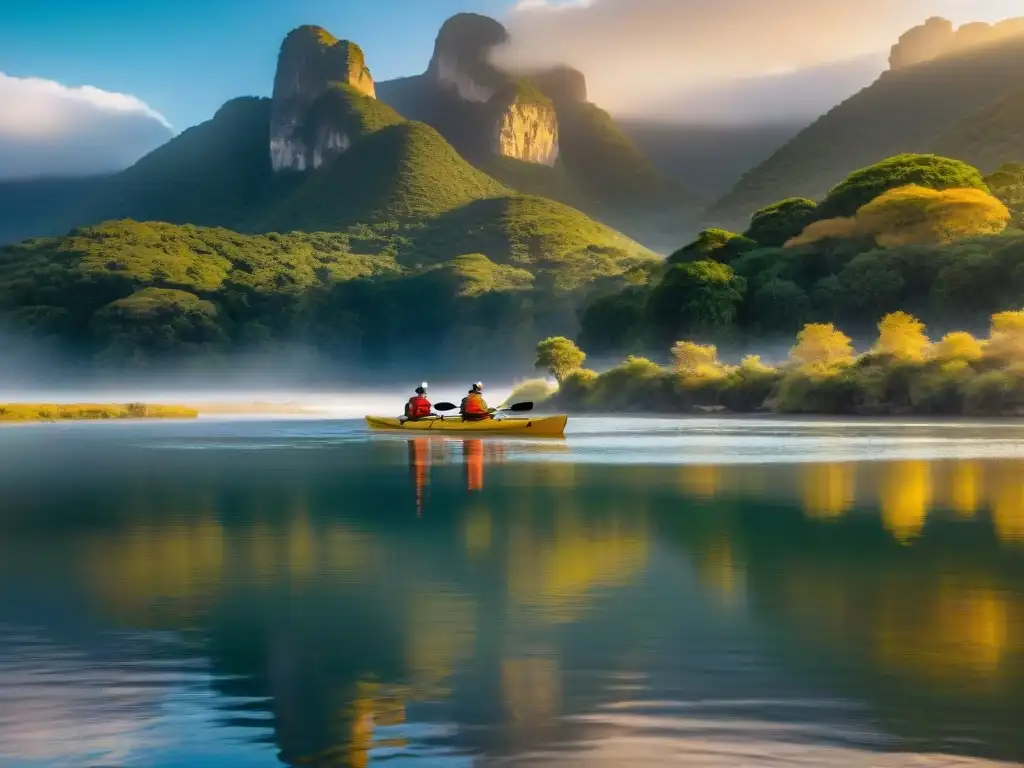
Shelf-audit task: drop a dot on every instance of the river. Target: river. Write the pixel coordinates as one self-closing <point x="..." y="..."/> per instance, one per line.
<point x="707" y="592"/>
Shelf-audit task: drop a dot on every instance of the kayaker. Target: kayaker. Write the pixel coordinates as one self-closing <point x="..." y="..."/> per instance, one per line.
<point x="418" y="407"/>
<point x="473" y="406"/>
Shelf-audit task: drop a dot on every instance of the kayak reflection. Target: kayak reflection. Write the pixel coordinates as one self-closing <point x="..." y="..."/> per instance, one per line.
<point x="473" y="453"/>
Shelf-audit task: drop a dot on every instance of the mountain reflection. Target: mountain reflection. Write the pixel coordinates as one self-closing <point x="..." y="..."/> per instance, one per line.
<point x="342" y="626"/>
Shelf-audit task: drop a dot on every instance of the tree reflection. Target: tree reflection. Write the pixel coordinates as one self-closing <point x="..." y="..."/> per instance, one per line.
<point x="828" y="489"/>
<point x="905" y="497"/>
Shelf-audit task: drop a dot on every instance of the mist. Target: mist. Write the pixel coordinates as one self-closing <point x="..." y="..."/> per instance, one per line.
<point x="730" y="61"/>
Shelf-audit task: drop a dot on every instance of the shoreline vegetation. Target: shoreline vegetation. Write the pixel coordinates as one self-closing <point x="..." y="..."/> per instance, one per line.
<point x="21" y="412"/>
<point x="904" y="373"/>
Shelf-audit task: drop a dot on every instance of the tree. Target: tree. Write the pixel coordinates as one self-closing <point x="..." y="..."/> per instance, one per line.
<point x="698" y="297"/>
<point x="1006" y="339"/>
<point x="958" y="345"/>
<point x="777" y="224"/>
<point x="821" y="344"/>
<point x="695" y="359"/>
<point x="715" y="245"/>
<point x="559" y="356"/>
<point x="1007" y="184"/>
<point x="902" y="336"/>
<point x="863" y="186"/>
<point x="915" y="215"/>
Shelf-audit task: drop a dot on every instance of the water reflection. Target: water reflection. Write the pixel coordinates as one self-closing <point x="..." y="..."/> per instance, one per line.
<point x="523" y="599"/>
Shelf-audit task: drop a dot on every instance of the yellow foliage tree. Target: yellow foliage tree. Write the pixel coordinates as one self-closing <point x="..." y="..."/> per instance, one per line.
<point x="821" y="344"/>
<point x="827" y="229"/>
<point x="1006" y="339"/>
<point x="958" y="345"/>
<point x="914" y="215"/>
<point x="902" y="336"/>
<point x="695" y="359"/>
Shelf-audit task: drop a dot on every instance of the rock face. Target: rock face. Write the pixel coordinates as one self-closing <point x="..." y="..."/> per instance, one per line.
<point x="311" y="59"/>
<point x="562" y="84"/>
<point x="938" y="37"/>
<point x="525" y="128"/>
<point x="461" y="64"/>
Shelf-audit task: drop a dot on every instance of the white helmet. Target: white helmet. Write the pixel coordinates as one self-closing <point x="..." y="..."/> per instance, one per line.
<point x="479" y="385"/>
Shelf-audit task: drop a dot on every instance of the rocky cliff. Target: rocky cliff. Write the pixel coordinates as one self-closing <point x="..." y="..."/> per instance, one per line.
<point x="310" y="63"/>
<point x="461" y="61"/>
<point x="938" y="37"/>
<point x="525" y="126"/>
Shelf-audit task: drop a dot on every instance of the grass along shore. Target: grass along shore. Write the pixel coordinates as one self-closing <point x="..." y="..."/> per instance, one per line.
<point x="92" y="411"/>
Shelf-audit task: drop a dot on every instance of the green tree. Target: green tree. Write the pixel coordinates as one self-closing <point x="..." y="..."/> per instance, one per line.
<point x="695" y="298"/>
<point x="714" y="245"/>
<point x="775" y="225"/>
<point x="559" y="356"/>
<point x="863" y="186"/>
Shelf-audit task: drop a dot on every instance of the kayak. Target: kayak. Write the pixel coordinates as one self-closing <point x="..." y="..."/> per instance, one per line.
<point x="540" y="426"/>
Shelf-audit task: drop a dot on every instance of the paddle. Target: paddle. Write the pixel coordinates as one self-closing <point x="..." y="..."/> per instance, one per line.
<point x="515" y="408"/>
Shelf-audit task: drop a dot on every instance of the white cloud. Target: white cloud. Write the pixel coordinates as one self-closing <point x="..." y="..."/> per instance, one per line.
<point x="49" y="129"/>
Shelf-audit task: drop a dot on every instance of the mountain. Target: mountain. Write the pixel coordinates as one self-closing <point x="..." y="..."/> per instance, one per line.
<point x="320" y="216"/>
<point x="990" y="137"/>
<point x="537" y="133"/>
<point x="908" y="109"/>
<point x="708" y="157"/>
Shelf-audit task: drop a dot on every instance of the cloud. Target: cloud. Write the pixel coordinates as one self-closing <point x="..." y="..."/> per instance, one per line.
<point x="634" y="52"/>
<point x="50" y="129"/>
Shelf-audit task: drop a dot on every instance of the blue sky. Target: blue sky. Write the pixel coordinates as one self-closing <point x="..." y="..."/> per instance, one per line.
<point x="186" y="57"/>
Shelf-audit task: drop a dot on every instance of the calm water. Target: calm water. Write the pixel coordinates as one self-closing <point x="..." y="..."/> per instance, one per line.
<point x="647" y="592"/>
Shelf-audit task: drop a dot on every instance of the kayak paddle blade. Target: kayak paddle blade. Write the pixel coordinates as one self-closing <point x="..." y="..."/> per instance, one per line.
<point x="445" y="406"/>
<point x="520" y="407"/>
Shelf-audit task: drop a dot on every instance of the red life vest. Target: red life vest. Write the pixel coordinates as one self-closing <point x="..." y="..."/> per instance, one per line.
<point x="418" y="407"/>
<point x="473" y="405"/>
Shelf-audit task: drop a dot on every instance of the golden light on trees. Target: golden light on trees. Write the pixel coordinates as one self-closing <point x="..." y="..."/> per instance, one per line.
<point x="821" y="344"/>
<point x="901" y="335"/>
<point x="1006" y="339"/>
<point x="696" y="359"/>
<point x="958" y="345"/>
<point x="914" y="215"/>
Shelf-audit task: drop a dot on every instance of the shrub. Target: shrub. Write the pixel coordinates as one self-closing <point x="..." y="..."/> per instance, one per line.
<point x="902" y="336"/>
<point x="776" y="224"/>
<point x="863" y="186"/>
<point x="958" y="345"/>
<point x="820" y="344"/>
<point x="1006" y="340"/>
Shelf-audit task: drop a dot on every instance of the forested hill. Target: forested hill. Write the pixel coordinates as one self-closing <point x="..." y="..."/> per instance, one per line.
<point x="911" y="109"/>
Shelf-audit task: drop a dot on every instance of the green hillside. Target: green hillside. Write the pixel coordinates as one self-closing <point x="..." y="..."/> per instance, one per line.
<point x="353" y="113"/>
<point x="903" y="111"/>
<point x="990" y="137"/>
<point x="214" y="174"/>
<point x="135" y="292"/>
<point x="398" y="176"/>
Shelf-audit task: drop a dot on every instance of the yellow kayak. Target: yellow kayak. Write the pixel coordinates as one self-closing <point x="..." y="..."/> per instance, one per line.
<point x="540" y="426"/>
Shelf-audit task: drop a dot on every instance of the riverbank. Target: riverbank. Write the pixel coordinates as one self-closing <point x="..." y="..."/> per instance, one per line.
<point x="92" y="411"/>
